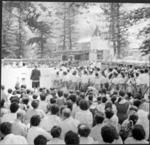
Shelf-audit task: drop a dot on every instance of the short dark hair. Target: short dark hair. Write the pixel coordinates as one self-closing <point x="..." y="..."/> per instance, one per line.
<point x="14" y="107"/>
<point x="2" y="102"/>
<point x="56" y="131"/>
<point x="133" y="118"/>
<point x="109" y="113"/>
<point x="35" y="96"/>
<point x="42" y="96"/>
<point x="69" y="104"/>
<point x="35" y="120"/>
<point x="99" y="118"/>
<point x="5" y="128"/>
<point x="108" y="105"/>
<point x="121" y="93"/>
<point x="40" y="140"/>
<point x="107" y="133"/>
<point x="54" y="109"/>
<point x="52" y="100"/>
<point x="10" y="91"/>
<point x="66" y="112"/>
<point x="83" y="130"/>
<point x="25" y="100"/>
<point x="138" y="132"/>
<point x="35" y="104"/>
<point x="73" y="98"/>
<point x="104" y="99"/>
<point x="60" y="93"/>
<point x="72" y="138"/>
<point x="84" y="104"/>
<point x="137" y="103"/>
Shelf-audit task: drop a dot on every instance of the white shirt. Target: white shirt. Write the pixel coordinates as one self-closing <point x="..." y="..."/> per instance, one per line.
<point x="56" y="141"/>
<point x="85" y="117"/>
<point x="131" y="140"/>
<point x="9" y="117"/>
<point x="14" y="139"/>
<point x="87" y="140"/>
<point x="49" y="121"/>
<point x="67" y="125"/>
<point x="34" y="132"/>
<point x="43" y="106"/>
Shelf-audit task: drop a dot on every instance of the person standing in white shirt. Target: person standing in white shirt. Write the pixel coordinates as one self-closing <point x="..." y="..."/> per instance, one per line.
<point x="84" y="115"/>
<point x="8" y="137"/>
<point x="35" y="130"/>
<point x="56" y="132"/>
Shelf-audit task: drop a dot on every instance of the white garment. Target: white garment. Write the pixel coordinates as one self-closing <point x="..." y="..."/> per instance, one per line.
<point x="87" y="140"/>
<point x="14" y="139"/>
<point x="49" y="121"/>
<point x="43" y="106"/>
<point x="131" y="140"/>
<point x="9" y="117"/>
<point x="56" y="141"/>
<point x="34" y="132"/>
<point x="67" y="125"/>
<point x="85" y="117"/>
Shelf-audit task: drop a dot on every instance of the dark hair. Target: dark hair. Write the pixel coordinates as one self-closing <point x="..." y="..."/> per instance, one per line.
<point x="108" y="105"/>
<point x="66" y="112"/>
<point x="72" y="138"/>
<point x="14" y="107"/>
<point x="84" y="105"/>
<point x="121" y="93"/>
<point x="107" y="133"/>
<point x="10" y="91"/>
<point x="73" y="98"/>
<point x="90" y="97"/>
<point x="54" y="109"/>
<point x="35" y="120"/>
<point x="25" y="101"/>
<point x="133" y="118"/>
<point x="83" y="130"/>
<point x="60" y="93"/>
<point x="109" y="113"/>
<point x="99" y="118"/>
<point x="66" y="95"/>
<point x="34" y="96"/>
<point x="56" y="131"/>
<point x="2" y="87"/>
<point x="104" y="99"/>
<point x="138" y="132"/>
<point x="52" y="100"/>
<point x="137" y="103"/>
<point x="42" y="96"/>
<point x="5" y="128"/>
<point x="35" y="104"/>
<point x="40" y="140"/>
<point x="69" y="105"/>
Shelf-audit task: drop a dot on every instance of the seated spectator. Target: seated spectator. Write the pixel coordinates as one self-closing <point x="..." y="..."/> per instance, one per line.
<point x="138" y="136"/>
<point x="35" y="130"/>
<point x="43" y="103"/>
<point x="110" y="135"/>
<point x="3" y="109"/>
<point x="8" y="137"/>
<point x="84" y="115"/>
<point x="40" y="140"/>
<point x="101" y="107"/>
<point x="51" y="119"/>
<point x="84" y="131"/>
<point x="96" y="130"/>
<point x="34" y="111"/>
<point x="72" y="138"/>
<point x="10" y="117"/>
<point x="18" y="126"/>
<point x="68" y="123"/>
<point x="56" y="132"/>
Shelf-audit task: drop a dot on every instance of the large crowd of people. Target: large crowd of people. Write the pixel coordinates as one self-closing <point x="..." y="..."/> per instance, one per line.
<point x="85" y="105"/>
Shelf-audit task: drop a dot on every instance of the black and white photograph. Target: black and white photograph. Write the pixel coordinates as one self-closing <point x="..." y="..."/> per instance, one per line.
<point x="75" y="73"/>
